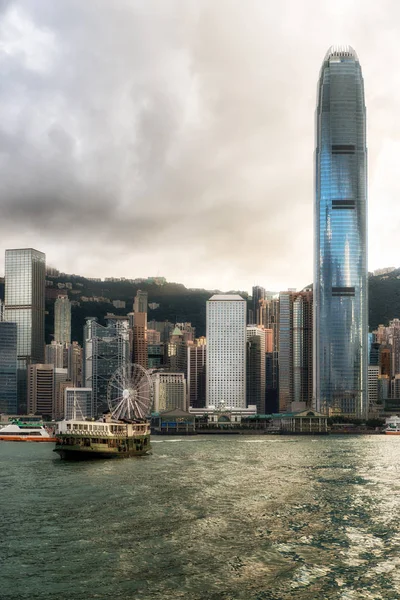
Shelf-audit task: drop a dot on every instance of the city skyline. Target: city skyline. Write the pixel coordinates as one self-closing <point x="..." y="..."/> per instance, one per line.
<point x="175" y="153"/>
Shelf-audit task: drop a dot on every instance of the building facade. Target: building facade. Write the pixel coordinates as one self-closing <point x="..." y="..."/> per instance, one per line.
<point x="255" y="367"/>
<point x="295" y="349"/>
<point x="78" y="403"/>
<point x="196" y="373"/>
<point x="226" y="351"/>
<point x="340" y="251"/>
<point x="106" y="349"/>
<point x="169" y="391"/>
<point x="8" y="368"/>
<point x="24" y="305"/>
<point x="62" y="320"/>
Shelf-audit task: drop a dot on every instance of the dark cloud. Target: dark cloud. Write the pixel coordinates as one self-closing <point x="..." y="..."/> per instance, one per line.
<point x="176" y="137"/>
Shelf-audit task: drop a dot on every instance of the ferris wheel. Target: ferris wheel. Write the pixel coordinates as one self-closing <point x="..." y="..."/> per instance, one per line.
<point x="130" y="393"/>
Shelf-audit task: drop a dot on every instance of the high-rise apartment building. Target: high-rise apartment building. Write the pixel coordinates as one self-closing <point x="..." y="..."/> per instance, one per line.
<point x="62" y="320"/>
<point x="196" y="373"/>
<point x="340" y="251"/>
<point x="140" y="356"/>
<point x="295" y="348"/>
<point x="8" y="368"/>
<point x="255" y="368"/>
<point x="226" y="351"/>
<point x="140" y="302"/>
<point x="24" y="305"/>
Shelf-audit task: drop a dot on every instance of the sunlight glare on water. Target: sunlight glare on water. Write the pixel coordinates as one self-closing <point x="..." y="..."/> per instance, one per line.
<point x="216" y="517"/>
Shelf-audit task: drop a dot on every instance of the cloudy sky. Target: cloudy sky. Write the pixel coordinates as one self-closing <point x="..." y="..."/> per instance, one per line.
<point x="175" y="137"/>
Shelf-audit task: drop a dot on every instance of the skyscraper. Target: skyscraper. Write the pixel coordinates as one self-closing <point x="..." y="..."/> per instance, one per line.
<point x="340" y="251"/>
<point x="8" y="367"/>
<point x="255" y="367"/>
<point x="226" y="351"/>
<point x="62" y="320"/>
<point x="295" y="348"/>
<point x="24" y="305"/>
<point x="106" y="349"/>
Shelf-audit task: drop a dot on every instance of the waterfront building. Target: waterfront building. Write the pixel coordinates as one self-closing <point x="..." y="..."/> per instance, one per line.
<point x="24" y="305"/>
<point x="226" y="351"/>
<point x="196" y="373"/>
<point x="62" y="320"/>
<point x="164" y="327"/>
<point x="295" y="348"/>
<point x="385" y="361"/>
<point x="187" y="330"/>
<point x="255" y="367"/>
<point x="340" y="247"/>
<point x="169" y="391"/>
<point x="106" y="349"/>
<point x="8" y="367"/>
<point x="78" y="403"/>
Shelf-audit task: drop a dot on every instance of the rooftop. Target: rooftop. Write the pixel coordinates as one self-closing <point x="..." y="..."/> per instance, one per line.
<point x="341" y="51"/>
<point x="227" y="297"/>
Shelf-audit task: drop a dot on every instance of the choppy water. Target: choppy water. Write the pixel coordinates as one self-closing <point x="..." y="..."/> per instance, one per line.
<point x="263" y="518"/>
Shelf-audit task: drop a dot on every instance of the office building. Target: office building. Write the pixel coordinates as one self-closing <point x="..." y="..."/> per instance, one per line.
<point x="196" y="373"/>
<point x="373" y="377"/>
<point x="169" y="391"/>
<point x="106" y="349"/>
<point x="340" y="250"/>
<point x="255" y="369"/>
<point x="176" y="352"/>
<point x="62" y="320"/>
<point x="41" y="384"/>
<point x="8" y="368"/>
<point x="226" y="351"/>
<point x="54" y="354"/>
<point x="24" y="305"/>
<point x="75" y="364"/>
<point x="295" y="349"/>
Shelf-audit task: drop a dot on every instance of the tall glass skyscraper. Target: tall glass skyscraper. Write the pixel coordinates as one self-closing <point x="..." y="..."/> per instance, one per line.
<point x="24" y="305"/>
<point x="8" y="367"/>
<point x="340" y="252"/>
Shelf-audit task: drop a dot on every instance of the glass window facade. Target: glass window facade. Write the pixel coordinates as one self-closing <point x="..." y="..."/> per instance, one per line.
<point x="24" y="305"/>
<point x="8" y="368"/>
<point x="340" y="254"/>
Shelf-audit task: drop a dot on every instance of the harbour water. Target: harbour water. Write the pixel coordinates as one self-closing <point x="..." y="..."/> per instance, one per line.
<point x="219" y="517"/>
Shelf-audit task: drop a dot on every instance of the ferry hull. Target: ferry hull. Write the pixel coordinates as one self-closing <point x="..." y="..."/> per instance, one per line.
<point x="86" y="454"/>
<point x="392" y="432"/>
<point x="26" y="438"/>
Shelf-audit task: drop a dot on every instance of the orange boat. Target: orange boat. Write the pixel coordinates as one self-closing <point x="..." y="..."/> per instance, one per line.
<point x="25" y="432"/>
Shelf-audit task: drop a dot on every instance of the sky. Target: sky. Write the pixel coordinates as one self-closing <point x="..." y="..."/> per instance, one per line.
<point x="176" y="137"/>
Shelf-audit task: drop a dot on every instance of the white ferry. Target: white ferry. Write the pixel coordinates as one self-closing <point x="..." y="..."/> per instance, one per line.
<point x="392" y="426"/>
<point x="25" y="432"/>
<point x="82" y="440"/>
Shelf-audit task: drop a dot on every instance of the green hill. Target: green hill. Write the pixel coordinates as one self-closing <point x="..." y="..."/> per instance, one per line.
<point x="179" y="304"/>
